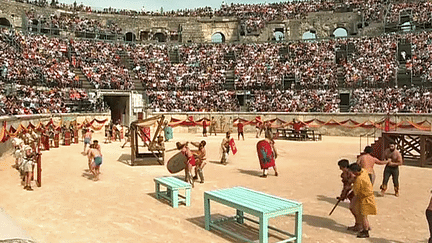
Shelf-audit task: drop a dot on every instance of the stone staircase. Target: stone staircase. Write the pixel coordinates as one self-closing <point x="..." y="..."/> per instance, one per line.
<point x="403" y="76"/>
<point x="344" y="108"/>
<point x="128" y="63"/>
<point x="230" y="74"/>
<point x="284" y="54"/>
<point x="85" y="84"/>
<point x="174" y="56"/>
<point x="83" y="80"/>
<point x="377" y="148"/>
<point x="340" y="74"/>
<point x="288" y="81"/>
<point x="229" y="80"/>
<point x="417" y="81"/>
<point x="230" y="56"/>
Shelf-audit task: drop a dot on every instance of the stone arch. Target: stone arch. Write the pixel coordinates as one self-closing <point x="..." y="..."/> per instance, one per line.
<point x="160" y="37"/>
<point x="218" y="37"/>
<point x="278" y="35"/>
<point x="5" y="22"/>
<point x="340" y="32"/>
<point x="129" y="36"/>
<point x="309" y="35"/>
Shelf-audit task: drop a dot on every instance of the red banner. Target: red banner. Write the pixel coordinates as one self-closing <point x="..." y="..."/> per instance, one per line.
<point x="5" y="134"/>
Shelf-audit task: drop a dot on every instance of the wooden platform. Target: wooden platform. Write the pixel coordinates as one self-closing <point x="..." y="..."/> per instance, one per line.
<point x="412" y="144"/>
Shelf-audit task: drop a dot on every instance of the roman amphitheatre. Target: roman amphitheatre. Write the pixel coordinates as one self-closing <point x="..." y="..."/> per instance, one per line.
<point x="350" y="74"/>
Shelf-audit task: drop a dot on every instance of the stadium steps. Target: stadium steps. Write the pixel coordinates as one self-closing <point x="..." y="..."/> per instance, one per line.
<point x="340" y="74"/>
<point x="283" y="54"/>
<point x="82" y="79"/>
<point x="128" y="63"/>
<point x="174" y="56"/>
<point x="416" y="81"/>
<point x="377" y="149"/>
<point x="288" y="81"/>
<point x="230" y="56"/>
<point x="229" y="80"/>
<point x="403" y="76"/>
<point x="344" y="108"/>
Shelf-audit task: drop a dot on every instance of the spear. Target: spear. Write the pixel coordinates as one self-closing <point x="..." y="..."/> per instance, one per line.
<point x="335" y="206"/>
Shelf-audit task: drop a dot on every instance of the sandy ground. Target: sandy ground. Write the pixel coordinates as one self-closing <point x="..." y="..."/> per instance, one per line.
<point x="121" y="207"/>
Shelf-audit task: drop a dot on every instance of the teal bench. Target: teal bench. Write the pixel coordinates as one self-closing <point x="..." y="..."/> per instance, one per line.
<point x="258" y="204"/>
<point x="173" y="186"/>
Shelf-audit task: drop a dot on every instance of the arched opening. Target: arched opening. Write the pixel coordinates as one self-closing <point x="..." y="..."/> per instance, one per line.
<point x="34" y="22"/>
<point x="340" y="32"/>
<point x="407" y="26"/>
<point x="309" y="35"/>
<point x="218" y="37"/>
<point x="278" y="36"/>
<point x="160" y="37"/>
<point x="130" y="36"/>
<point x="5" y="22"/>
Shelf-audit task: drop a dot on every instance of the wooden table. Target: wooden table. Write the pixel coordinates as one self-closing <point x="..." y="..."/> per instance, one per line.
<point x="302" y="135"/>
<point x="258" y="204"/>
<point x="173" y="186"/>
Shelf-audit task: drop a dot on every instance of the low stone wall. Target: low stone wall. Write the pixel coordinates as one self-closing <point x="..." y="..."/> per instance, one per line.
<point x="334" y="130"/>
<point x="15" y="121"/>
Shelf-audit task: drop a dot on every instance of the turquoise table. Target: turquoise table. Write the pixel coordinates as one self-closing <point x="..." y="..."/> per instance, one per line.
<point x="261" y="205"/>
<point x="173" y="186"/>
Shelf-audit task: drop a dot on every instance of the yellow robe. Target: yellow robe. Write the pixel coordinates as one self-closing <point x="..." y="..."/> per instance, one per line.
<point x="363" y="190"/>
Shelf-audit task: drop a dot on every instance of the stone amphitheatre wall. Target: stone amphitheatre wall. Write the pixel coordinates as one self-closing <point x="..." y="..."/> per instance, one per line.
<point x="200" y="29"/>
<point x="15" y="121"/>
<point x="325" y="130"/>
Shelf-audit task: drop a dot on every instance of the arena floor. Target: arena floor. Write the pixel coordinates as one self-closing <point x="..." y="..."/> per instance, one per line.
<point x="121" y="207"/>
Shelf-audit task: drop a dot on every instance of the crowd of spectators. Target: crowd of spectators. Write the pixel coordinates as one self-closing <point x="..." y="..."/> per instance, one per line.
<point x="196" y="83"/>
<point x="421" y="61"/>
<point x="253" y="17"/>
<point x="193" y="101"/>
<point x="102" y="64"/>
<point x="203" y="67"/>
<point x="419" y="10"/>
<point x="26" y="100"/>
<point x="363" y="100"/>
<point x="295" y="101"/>
<point x="69" y="22"/>
<point x="35" y="59"/>
<point x="373" y="63"/>
<point x="413" y="100"/>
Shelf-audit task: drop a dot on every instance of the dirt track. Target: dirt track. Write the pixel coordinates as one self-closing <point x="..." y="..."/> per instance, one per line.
<point x="121" y="207"/>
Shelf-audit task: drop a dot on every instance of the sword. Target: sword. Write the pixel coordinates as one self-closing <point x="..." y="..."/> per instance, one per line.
<point x="335" y="206"/>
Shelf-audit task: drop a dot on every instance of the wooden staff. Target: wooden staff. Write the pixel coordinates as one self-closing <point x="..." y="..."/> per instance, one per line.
<point x="335" y="206"/>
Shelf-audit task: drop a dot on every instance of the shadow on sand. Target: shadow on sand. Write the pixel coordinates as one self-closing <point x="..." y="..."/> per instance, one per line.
<point x="125" y="159"/>
<point x="250" y="172"/>
<point x="381" y="240"/>
<point x="333" y="201"/>
<point x="87" y="174"/>
<point x="217" y="162"/>
<point x="245" y="230"/>
<point x="324" y="222"/>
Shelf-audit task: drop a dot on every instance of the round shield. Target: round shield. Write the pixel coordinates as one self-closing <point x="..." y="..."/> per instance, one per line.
<point x="176" y="163"/>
